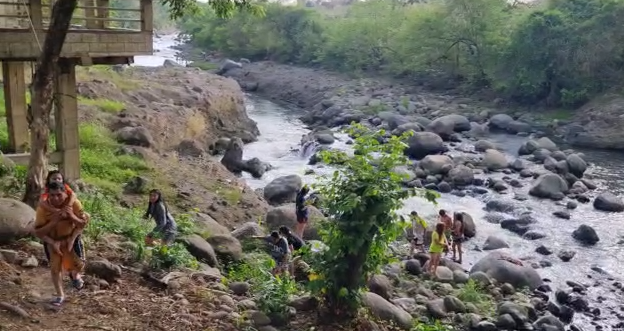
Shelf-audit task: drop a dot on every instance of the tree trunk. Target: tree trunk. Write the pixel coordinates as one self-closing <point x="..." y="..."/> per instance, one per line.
<point x="41" y="106"/>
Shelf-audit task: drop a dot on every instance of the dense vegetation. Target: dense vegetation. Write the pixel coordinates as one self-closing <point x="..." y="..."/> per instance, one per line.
<point x="560" y="53"/>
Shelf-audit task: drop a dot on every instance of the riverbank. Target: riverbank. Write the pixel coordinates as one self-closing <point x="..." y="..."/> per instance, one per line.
<point x="317" y="92"/>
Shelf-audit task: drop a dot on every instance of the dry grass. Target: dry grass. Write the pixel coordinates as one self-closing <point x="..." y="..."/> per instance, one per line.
<point x="196" y="125"/>
<point x="123" y="82"/>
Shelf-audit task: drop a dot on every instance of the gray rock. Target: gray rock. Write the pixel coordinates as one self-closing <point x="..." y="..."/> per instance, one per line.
<point x="435" y="164"/>
<point x="493" y="242"/>
<point x="381" y="285"/>
<point x="461" y="175"/>
<point x="386" y="311"/>
<point x="500" y="267"/>
<point x="283" y="189"/>
<point x="608" y="201"/>
<point x="495" y="160"/>
<point x="586" y="235"/>
<point x="484" y="145"/>
<point x="422" y="144"/>
<point x="550" y="186"/>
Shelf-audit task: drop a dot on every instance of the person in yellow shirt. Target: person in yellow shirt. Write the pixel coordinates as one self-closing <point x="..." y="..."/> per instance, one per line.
<point x="437" y="247"/>
<point x="58" y="231"/>
<point x="419" y="228"/>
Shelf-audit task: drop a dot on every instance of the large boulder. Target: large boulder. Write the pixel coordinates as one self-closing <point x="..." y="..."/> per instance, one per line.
<point x="549" y="186"/>
<point x="461" y="175"/>
<point x="505" y="269"/>
<point x="16" y="220"/>
<point x="608" y="201"/>
<point x="470" y="228"/>
<point x="227" y="248"/>
<point x="207" y="226"/>
<point x="495" y="160"/>
<point x="422" y="144"/>
<point x="283" y="189"/>
<point x="446" y="125"/>
<point x="285" y="215"/>
<point x="434" y="164"/>
<point x="547" y="144"/>
<point x="233" y="158"/>
<point x="386" y="311"/>
<point x="576" y="165"/>
<point x="504" y="122"/>
<point x="200" y="249"/>
<point x="135" y="136"/>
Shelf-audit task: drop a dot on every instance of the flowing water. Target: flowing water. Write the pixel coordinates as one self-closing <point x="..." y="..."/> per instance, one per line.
<point x="279" y="145"/>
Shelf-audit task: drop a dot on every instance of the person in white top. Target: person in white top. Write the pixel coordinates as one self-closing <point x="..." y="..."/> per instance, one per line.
<point x="419" y="228"/>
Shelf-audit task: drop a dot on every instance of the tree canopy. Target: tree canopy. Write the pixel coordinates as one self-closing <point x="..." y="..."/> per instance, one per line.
<point x="559" y="53"/>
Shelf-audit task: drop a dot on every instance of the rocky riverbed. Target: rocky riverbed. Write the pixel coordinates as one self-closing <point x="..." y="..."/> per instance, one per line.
<point x="527" y="193"/>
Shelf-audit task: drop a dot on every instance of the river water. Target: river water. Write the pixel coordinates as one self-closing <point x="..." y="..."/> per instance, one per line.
<point x="278" y="144"/>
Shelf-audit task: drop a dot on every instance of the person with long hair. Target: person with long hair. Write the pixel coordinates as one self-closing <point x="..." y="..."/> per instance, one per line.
<point x="57" y="230"/>
<point x="55" y="176"/>
<point x="458" y="237"/>
<point x="438" y="244"/>
<point x="301" y="210"/>
<point x="166" y="227"/>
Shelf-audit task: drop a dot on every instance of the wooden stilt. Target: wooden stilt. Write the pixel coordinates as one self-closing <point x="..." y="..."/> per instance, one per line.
<point x="15" y="103"/>
<point x="66" y="113"/>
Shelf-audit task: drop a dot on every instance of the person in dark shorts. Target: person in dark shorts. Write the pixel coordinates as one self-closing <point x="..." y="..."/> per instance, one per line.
<point x="301" y="210"/>
<point x="458" y="237"/>
<point x="419" y="228"/>
<point x="294" y="242"/>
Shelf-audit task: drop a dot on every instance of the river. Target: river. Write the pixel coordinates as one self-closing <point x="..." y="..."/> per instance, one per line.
<point x="278" y="144"/>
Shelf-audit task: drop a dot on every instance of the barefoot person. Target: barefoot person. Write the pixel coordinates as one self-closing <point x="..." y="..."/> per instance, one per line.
<point x="301" y="210"/>
<point x="56" y="176"/>
<point x="458" y="237"/>
<point x="445" y="219"/>
<point x="419" y="228"/>
<point x="166" y="227"/>
<point x="438" y="243"/>
<point x="57" y="230"/>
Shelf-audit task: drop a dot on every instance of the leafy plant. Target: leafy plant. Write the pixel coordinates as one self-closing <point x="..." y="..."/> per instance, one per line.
<point x="361" y="197"/>
<point x="172" y="256"/>
<point x="273" y="295"/>
<point x="471" y="292"/>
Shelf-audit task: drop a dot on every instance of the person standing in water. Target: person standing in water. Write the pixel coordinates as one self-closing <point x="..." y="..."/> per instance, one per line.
<point x="438" y="244"/>
<point x="458" y="237"/>
<point x="419" y="229"/>
<point x="301" y="210"/>
<point x="166" y="226"/>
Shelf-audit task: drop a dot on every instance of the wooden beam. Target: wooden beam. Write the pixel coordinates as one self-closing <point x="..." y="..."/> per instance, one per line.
<point x="90" y="12"/>
<point x="147" y="16"/>
<point x="15" y="103"/>
<point x="23" y="158"/>
<point x="66" y="114"/>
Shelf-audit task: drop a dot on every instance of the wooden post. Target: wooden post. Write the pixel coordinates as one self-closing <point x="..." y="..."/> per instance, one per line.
<point x="102" y="12"/>
<point x="36" y="14"/>
<point x="66" y="115"/>
<point x="15" y="103"/>
<point x="147" y="16"/>
<point x="90" y="13"/>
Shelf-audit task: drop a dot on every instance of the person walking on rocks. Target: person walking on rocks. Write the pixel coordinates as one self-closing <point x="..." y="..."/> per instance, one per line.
<point x="458" y="237"/>
<point x="57" y="230"/>
<point x="419" y="229"/>
<point x="166" y="227"/>
<point x="438" y="244"/>
<point x="301" y="210"/>
<point x="445" y="219"/>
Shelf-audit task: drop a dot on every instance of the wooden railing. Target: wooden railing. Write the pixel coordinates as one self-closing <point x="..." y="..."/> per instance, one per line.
<point x="136" y="15"/>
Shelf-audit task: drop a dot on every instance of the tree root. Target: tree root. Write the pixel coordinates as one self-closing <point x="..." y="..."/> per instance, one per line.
<point x="17" y="311"/>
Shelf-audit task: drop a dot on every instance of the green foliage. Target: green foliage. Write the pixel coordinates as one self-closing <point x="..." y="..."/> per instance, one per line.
<point x="436" y="326"/>
<point x="100" y="163"/>
<point x="362" y="195"/>
<point x="471" y="292"/>
<point x="175" y="255"/>
<point x="548" y="53"/>
<point x="270" y="293"/>
<point x="105" y="105"/>
<point x="109" y="218"/>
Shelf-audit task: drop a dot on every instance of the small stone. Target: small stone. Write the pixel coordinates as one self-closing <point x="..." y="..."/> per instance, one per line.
<point x="30" y="262"/>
